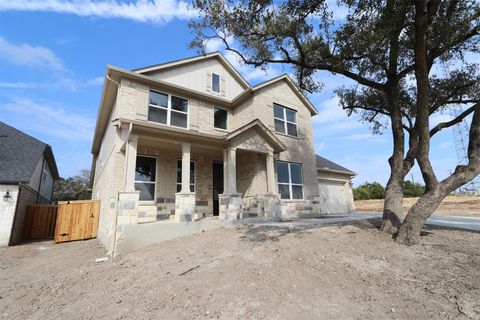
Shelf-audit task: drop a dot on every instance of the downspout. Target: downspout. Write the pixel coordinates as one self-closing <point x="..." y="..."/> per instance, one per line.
<point x="127" y="142"/>
<point x="125" y="169"/>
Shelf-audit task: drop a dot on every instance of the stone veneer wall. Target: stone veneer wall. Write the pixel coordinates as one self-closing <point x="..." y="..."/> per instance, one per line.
<point x="307" y="208"/>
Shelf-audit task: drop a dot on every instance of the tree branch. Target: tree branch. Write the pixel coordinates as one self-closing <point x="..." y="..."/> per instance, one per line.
<point x="452" y="122"/>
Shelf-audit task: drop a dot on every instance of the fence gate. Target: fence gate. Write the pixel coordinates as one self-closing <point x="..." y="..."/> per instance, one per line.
<point x="39" y="222"/>
<point x="77" y="220"/>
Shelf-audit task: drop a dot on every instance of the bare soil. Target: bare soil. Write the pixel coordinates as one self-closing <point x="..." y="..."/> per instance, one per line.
<point x="451" y="206"/>
<point x="349" y="271"/>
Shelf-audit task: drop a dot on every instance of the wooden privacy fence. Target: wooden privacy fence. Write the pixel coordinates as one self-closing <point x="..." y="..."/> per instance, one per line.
<point x="39" y="222"/>
<point x="77" y="220"/>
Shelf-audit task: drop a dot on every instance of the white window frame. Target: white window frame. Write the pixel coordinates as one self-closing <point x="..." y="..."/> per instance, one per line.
<point x="148" y="182"/>
<point x="219" y="83"/>
<point x="285" y="121"/>
<point x="216" y="128"/>
<point x="290" y="183"/>
<point x="169" y="109"/>
<point x="194" y="176"/>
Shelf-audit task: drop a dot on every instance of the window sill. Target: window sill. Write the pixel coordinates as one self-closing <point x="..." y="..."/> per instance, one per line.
<point x="292" y="200"/>
<point x="287" y="135"/>
<point x="167" y="125"/>
<point x="146" y="203"/>
<point x="221" y="130"/>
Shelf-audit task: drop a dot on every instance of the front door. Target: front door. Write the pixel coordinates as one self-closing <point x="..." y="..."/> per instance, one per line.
<point x="217" y="185"/>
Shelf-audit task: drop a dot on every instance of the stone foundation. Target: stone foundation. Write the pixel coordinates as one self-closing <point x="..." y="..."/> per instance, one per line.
<point x="262" y="206"/>
<point x="309" y="208"/>
<point x="230" y="206"/>
<point x="271" y="207"/>
<point x="184" y="207"/>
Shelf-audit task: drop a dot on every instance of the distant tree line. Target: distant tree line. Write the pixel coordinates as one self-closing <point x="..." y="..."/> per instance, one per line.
<point x="374" y="190"/>
<point x="73" y="188"/>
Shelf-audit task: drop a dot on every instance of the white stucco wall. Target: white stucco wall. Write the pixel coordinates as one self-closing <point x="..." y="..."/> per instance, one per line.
<point x="7" y="212"/>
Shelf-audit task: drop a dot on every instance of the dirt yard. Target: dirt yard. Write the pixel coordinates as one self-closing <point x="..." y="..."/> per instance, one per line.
<point x="451" y="206"/>
<point x="332" y="272"/>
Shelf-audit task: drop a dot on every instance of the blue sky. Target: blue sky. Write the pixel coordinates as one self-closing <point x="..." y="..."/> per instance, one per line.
<point x="53" y="56"/>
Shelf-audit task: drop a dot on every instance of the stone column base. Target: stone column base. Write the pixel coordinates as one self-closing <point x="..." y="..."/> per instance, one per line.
<point x="184" y="207"/>
<point x="230" y="206"/>
<point x="271" y="207"/>
<point x="127" y="208"/>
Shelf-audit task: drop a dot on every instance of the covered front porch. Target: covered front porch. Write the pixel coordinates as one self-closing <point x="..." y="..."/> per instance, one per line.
<point x="183" y="177"/>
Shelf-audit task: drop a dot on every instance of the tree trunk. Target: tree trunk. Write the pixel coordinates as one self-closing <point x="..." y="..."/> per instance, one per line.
<point x="394" y="190"/>
<point x="409" y="232"/>
<point x="392" y="207"/>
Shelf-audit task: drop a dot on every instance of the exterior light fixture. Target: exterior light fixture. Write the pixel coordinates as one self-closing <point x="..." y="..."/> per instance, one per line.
<point x="7" y="195"/>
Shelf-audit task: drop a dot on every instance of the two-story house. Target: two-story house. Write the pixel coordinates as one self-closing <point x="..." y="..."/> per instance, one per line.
<point x="190" y="139"/>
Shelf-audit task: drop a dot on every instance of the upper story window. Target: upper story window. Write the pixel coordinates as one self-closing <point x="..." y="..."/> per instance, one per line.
<point x="290" y="180"/>
<point x="220" y="118"/>
<point x="168" y="109"/>
<point x="215" y="83"/>
<point x="285" y="120"/>
<point x="145" y="169"/>
<point x="44" y="176"/>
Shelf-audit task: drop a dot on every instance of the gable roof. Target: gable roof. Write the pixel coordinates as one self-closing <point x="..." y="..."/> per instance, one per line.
<point x="272" y="139"/>
<point x="213" y="55"/>
<point x="291" y="84"/>
<point x="327" y="165"/>
<point x="20" y="155"/>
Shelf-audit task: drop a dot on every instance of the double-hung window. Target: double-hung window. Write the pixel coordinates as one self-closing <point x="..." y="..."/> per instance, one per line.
<point x="220" y="118"/>
<point x="215" y="83"/>
<point x="145" y="169"/>
<point x="285" y="120"/>
<point x="168" y="109"/>
<point x="290" y="180"/>
<point x="192" y="176"/>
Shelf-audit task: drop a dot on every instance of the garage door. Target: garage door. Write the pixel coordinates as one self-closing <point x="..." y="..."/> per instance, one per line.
<point x="332" y="197"/>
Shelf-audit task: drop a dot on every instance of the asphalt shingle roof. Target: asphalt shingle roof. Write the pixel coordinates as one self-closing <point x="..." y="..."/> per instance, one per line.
<point x="323" y="163"/>
<point x="19" y="155"/>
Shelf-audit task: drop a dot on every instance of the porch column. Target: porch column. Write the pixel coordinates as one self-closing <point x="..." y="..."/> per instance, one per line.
<point x="232" y="170"/>
<point x="271" y="183"/>
<point x="225" y="171"/>
<point x="185" y="168"/>
<point x="131" y="159"/>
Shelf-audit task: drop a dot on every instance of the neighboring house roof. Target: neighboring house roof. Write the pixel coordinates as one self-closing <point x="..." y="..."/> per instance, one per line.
<point x="327" y="165"/>
<point x="20" y="154"/>
<point x="215" y="55"/>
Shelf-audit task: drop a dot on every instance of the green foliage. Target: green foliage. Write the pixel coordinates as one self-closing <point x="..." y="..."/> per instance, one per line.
<point x="73" y="188"/>
<point x="412" y="190"/>
<point x="367" y="191"/>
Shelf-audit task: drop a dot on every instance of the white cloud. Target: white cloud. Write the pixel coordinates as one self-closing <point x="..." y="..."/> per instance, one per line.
<point x="27" y="55"/>
<point x="19" y="85"/>
<point x="330" y="111"/>
<point x="212" y="45"/>
<point x="68" y="83"/>
<point x="364" y="137"/>
<point x="57" y="122"/>
<point x="149" y="11"/>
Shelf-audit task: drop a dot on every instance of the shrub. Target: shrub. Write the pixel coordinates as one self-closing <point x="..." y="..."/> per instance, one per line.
<point x="412" y="190"/>
<point x="368" y="191"/>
